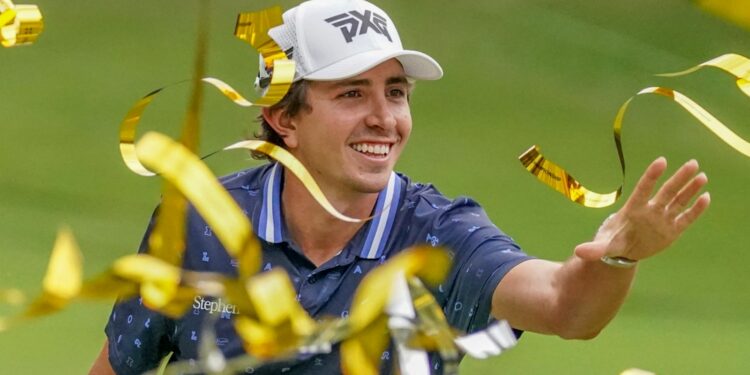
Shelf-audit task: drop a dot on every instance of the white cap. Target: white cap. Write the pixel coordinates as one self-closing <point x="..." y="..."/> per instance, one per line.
<point x="339" y="39"/>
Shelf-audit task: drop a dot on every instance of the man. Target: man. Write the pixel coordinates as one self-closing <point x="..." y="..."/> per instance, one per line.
<point x="347" y="119"/>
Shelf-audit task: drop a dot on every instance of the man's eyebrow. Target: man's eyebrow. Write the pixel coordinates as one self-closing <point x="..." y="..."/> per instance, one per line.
<point x="397" y="79"/>
<point x="367" y="82"/>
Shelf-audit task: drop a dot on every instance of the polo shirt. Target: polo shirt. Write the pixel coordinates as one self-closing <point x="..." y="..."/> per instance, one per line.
<point x="410" y="214"/>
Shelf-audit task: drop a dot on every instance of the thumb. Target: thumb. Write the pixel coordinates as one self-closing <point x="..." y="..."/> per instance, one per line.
<point x="591" y="251"/>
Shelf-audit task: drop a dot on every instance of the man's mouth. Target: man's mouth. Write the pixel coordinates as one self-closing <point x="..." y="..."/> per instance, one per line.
<point x="372" y="149"/>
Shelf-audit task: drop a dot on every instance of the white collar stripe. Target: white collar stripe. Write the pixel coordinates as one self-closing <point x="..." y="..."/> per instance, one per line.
<point x="391" y="214"/>
<point x="269" y="228"/>
<point x="277" y="203"/>
<point x="380" y="227"/>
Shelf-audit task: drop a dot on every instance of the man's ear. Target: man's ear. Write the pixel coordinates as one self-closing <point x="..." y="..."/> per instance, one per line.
<point x="282" y="124"/>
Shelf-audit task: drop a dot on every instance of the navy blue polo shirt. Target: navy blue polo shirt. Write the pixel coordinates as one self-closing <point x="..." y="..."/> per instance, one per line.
<point x="412" y="214"/>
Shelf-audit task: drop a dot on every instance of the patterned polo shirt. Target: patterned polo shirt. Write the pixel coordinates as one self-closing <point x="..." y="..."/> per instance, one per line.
<point x="412" y="213"/>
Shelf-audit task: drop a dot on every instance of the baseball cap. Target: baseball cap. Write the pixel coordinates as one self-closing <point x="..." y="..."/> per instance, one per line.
<point x="339" y="39"/>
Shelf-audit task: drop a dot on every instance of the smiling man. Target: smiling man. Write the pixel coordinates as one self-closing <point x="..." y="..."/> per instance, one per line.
<point x="347" y="119"/>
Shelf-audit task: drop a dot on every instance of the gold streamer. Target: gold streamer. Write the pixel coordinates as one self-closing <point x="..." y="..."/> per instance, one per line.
<point x="61" y="283"/>
<point x="295" y="166"/>
<point x="433" y="323"/>
<point x="19" y="24"/>
<point x="251" y="27"/>
<point x="279" y="86"/>
<point x="280" y="323"/>
<point x="360" y="353"/>
<point x="167" y="240"/>
<point x="183" y="169"/>
<point x="558" y="178"/>
<point x="736" y="65"/>
<point x="737" y="11"/>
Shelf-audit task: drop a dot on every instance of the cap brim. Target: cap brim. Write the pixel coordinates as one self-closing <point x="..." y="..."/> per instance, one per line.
<point x="417" y="65"/>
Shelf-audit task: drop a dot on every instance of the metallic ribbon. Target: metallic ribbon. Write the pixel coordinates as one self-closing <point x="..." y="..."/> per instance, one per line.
<point x="193" y="178"/>
<point x="558" y="178"/>
<point x="61" y="283"/>
<point x="737" y="11"/>
<point x="361" y="351"/>
<point x="280" y="82"/>
<point x="19" y="24"/>
<point x="295" y="166"/>
<point x="280" y="323"/>
<point x="251" y="27"/>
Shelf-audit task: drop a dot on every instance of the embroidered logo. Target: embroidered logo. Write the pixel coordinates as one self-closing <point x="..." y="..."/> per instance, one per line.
<point x="354" y="23"/>
<point x="217" y="306"/>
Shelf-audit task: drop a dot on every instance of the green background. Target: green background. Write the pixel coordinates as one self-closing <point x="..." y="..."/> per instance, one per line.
<point x="517" y="73"/>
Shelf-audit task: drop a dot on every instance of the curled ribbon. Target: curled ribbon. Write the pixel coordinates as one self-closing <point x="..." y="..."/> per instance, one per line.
<point x="251" y="27"/>
<point x="295" y="166"/>
<point x="183" y="168"/>
<point x="128" y="128"/>
<point x="167" y="240"/>
<point x="361" y="352"/>
<point x="19" y="24"/>
<point x="558" y="178"/>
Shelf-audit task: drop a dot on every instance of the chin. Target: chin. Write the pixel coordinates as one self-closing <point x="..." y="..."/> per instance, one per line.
<point x="372" y="183"/>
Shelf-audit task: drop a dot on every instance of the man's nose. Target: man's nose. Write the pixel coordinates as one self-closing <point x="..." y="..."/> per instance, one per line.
<point x="381" y="114"/>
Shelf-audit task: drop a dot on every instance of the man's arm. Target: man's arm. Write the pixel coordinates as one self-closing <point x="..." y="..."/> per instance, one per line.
<point x="101" y="365"/>
<point x="577" y="298"/>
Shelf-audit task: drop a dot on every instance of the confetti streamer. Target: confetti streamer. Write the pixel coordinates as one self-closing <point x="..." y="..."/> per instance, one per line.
<point x="736" y="65"/>
<point x="299" y="170"/>
<point x="360" y="353"/>
<point x="19" y="24"/>
<point x="167" y="240"/>
<point x="737" y="11"/>
<point x="183" y="169"/>
<point x="61" y="283"/>
<point x="558" y="178"/>
<point x="251" y="27"/>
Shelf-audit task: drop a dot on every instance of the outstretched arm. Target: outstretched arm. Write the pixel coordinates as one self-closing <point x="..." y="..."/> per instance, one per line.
<point x="577" y="298"/>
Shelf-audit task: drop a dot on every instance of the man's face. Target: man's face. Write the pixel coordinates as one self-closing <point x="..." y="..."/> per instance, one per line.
<point x="351" y="139"/>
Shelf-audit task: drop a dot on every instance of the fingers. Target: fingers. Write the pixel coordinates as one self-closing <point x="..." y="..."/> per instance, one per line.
<point x="686" y="218"/>
<point x="676" y="184"/>
<point x="683" y="198"/>
<point x="644" y="187"/>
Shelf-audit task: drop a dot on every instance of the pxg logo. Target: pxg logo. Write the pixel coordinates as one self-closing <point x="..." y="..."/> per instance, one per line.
<point x="354" y="23"/>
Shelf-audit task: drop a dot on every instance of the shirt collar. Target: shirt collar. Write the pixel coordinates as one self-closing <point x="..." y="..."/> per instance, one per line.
<point x="270" y="226"/>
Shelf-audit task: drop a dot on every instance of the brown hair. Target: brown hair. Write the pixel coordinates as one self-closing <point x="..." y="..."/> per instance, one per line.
<point x="294" y="101"/>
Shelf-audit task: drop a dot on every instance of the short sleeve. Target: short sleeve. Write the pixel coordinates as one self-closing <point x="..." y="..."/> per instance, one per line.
<point x="482" y="254"/>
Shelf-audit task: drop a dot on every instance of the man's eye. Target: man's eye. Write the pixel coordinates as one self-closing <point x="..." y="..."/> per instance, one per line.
<point x="396" y="93"/>
<point x="351" y="94"/>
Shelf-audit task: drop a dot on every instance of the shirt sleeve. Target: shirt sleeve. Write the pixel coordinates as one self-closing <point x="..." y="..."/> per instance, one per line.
<point x="482" y="254"/>
<point x="138" y="337"/>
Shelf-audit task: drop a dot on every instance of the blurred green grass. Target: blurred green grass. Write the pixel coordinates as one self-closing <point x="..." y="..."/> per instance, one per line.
<point x="517" y="73"/>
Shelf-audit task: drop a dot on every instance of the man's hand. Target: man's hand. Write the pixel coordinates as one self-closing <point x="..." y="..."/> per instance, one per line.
<point x="645" y="226"/>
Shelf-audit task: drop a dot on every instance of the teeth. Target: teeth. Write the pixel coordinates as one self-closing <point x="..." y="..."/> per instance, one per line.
<point x="372" y="149"/>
